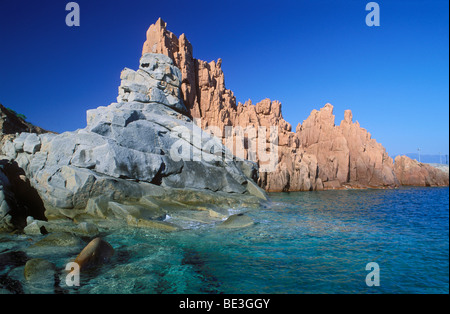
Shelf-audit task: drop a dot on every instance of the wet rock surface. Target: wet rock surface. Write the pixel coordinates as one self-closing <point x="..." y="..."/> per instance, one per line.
<point x="96" y="253"/>
<point x="237" y="221"/>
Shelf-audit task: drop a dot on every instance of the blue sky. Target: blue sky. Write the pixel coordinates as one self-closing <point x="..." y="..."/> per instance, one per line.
<point x="303" y="53"/>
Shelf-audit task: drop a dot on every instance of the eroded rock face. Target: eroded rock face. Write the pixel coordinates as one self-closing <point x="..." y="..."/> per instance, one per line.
<point x="143" y="140"/>
<point x="319" y="155"/>
<point x="412" y="172"/>
<point x="346" y="154"/>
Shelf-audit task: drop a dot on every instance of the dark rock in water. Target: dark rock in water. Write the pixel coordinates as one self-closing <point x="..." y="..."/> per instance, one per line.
<point x="237" y="221"/>
<point x="13" y="258"/>
<point x="211" y="283"/>
<point x="96" y="253"/>
<point x="11" y="285"/>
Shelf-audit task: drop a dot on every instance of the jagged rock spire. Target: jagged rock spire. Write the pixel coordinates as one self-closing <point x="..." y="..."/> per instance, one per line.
<point x="319" y="155"/>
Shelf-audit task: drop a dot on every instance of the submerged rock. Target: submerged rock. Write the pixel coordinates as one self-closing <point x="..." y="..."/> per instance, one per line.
<point x="38" y="269"/>
<point x="87" y="228"/>
<point x="237" y="221"/>
<point x="41" y="276"/>
<point x="59" y="239"/>
<point x="152" y="224"/>
<point x="12" y="259"/>
<point x="9" y="285"/>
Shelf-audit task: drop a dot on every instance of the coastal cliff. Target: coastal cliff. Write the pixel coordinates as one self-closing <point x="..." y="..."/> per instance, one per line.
<point x="142" y="150"/>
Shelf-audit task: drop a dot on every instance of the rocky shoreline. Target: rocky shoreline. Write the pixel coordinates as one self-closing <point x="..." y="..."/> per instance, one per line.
<point x="136" y="153"/>
<point x="139" y="163"/>
<point x="145" y="162"/>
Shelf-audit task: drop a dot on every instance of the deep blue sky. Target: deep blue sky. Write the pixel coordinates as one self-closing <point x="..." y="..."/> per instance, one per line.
<point x="304" y="53"/>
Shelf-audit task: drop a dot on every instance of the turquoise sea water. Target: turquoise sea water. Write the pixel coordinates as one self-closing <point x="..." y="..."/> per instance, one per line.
<point x="310" y="242"/>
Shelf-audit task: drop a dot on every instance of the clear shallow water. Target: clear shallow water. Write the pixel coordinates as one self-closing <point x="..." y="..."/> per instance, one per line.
<point x="313" y="242"/>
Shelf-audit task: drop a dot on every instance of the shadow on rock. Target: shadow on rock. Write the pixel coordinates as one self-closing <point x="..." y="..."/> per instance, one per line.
<point x="25" y="200"/>
<point x="13" y="259"/>
<point x="11" y="285"/>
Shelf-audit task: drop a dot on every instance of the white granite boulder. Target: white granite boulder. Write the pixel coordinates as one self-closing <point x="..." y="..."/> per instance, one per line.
<point x="144" y="139"/>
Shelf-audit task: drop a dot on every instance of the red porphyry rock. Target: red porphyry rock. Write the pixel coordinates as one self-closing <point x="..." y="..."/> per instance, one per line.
<point x="318" y="155"/>
<point x="412" y="172"/>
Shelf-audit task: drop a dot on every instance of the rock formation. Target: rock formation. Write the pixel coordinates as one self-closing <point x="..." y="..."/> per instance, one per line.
<point x="143" y="145"/>
<point x="412" y="172"/>
<point x="319" y="155"/>
<point x="96" y="253"/>
<point x="152" y="150"/>
<point x="346" y="154"/>
<point x="17" y="198"/>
